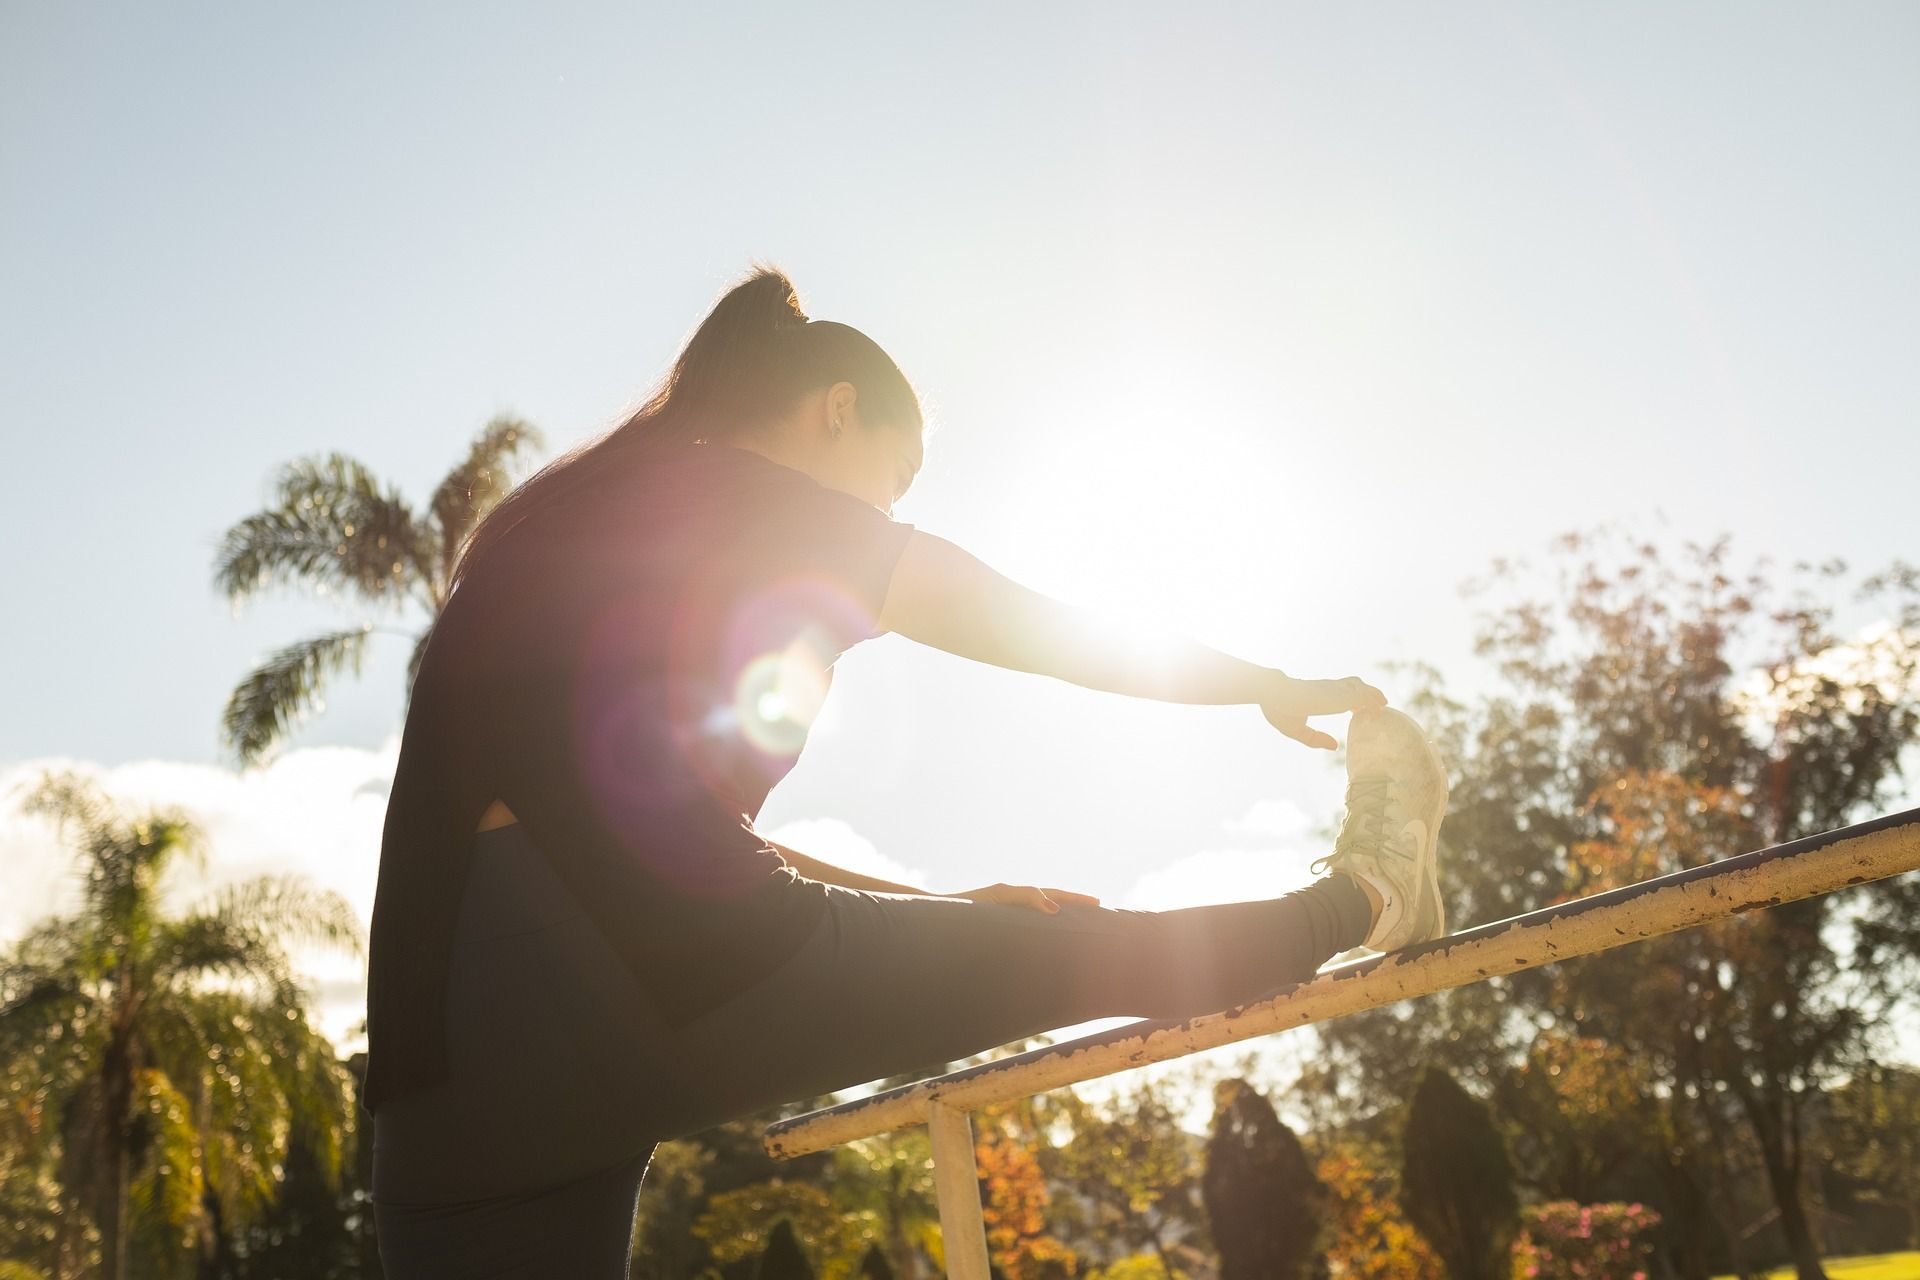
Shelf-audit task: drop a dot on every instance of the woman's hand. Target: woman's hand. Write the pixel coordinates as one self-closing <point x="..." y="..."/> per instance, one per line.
<point x="1291" y="701"/>
<point x="1025" y="895"/>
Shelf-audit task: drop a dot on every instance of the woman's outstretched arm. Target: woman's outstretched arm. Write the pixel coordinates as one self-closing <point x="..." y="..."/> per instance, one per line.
<point x="944" y="596"/>
<point x="1019" y="895"/>
<point x="814" y="869"/>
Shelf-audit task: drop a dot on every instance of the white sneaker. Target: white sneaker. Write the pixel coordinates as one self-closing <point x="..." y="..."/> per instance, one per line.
<point x="1396" y="797"/>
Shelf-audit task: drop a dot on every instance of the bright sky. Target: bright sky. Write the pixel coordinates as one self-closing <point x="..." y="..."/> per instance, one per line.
<point x="1271" y="323"/>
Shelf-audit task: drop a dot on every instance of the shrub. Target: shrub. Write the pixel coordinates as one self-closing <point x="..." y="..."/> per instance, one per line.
<point x="1566" y="1240"/>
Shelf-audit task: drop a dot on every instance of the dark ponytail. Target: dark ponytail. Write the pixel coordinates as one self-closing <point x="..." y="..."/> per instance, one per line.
<point x="751" y="358"/>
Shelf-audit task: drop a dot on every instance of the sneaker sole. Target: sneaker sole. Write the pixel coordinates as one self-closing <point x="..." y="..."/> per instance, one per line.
<point x="1429" y="912"/>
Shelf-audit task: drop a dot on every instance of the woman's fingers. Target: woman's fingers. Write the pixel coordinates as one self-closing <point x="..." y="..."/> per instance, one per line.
<point x="1028" y="895"/>
<point x="1298" y="699"/>
<point x="1328" y="697"/>
<point x="1300" y="731"/>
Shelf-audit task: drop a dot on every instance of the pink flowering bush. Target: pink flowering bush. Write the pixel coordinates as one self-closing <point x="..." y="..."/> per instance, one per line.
<point x="1564" y="1240"/>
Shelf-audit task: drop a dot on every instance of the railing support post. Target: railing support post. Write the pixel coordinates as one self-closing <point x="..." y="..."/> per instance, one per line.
<point x="956" y="1180"/>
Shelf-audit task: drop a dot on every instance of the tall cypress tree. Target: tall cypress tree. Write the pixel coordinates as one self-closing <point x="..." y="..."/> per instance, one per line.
<point x="1265" y="1207"/>
<point x="782" y="1259"/>
<point x="1456" y="1179"/>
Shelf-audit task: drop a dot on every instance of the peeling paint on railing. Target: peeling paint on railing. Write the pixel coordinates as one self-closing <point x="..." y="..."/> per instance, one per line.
<point x="1818" y="864"/>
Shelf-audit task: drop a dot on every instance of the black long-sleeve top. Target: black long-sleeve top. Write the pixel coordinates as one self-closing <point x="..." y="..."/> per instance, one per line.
<point x="630" y="671"/>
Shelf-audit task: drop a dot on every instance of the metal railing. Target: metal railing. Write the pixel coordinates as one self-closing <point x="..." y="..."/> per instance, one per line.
<point x="1806" y="868"/>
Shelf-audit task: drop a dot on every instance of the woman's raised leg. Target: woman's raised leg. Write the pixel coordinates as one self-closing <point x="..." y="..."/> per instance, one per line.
<point x="561" y="1069"/>
<point x="894" y="982"/>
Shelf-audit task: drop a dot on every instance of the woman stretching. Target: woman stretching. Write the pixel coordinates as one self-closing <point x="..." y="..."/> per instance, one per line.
<point x="581" y="946"/>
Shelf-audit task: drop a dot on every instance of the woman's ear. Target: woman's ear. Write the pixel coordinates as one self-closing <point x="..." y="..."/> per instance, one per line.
<point x="843" y="406"/>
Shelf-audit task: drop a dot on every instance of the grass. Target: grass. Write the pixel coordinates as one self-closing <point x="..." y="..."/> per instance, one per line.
<point x="1879" y="1266"/>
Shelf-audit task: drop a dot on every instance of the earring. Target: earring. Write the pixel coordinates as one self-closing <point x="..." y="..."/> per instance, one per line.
<point x="836" y="428"/>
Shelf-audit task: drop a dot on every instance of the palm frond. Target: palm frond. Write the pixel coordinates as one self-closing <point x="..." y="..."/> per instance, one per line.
<point x="68" y="797"/>
<point x="247" y="1077"/>
<point x="45" y="1009"/>
<point x="473" y="487"/>
<point x="246" y="1120"/>
<point x="48" y="947"/>
<point x="174" y="1035"/>
<point x="121" y="873"/>
<point x="164" y="1189"/>
<point x="331" y="526"/>
<point x="316" y="1085"/>
<point x="288" y="908"/>
<point x="121" y="859"/>
<point x="278" y="695"/>
<point x="184" y="949"/>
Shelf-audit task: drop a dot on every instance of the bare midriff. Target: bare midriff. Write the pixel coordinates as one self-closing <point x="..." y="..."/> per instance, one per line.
<point x="497" y="815"/>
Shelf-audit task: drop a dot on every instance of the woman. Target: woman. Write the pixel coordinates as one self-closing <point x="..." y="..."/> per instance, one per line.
<point x="580" y="946"/>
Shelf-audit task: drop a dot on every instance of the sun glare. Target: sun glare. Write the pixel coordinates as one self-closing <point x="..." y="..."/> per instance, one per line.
<point x="778" y="695"/>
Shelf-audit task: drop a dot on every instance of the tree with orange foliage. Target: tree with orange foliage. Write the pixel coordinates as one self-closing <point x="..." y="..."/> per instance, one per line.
<point x="1014" y="1201"/>
<point x="1370" y="1238"/>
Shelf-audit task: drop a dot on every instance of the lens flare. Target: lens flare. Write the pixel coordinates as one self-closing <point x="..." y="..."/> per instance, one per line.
<point x="678" y="742"/>
<point x="779" y="694"/>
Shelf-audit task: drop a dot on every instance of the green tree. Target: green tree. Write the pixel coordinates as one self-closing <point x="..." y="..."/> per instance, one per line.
<point x="1135" y="1168"/>
<point x="1456" y="1181"/>
<point x="330" y="526"/>
<point x="1584" y="1111"/>
<point x="1266" y="1210"/>
<point x="671" y="1196"/>
<point x="39" y="1240"/>
<point x="890" y="1176"/>
<point x="1619" y="675"/>
<point x="743" y="1223"/>
<point x="172" y="1053"/>
<point x="304" y="1234"/>
<point x="1873" y="1133"/>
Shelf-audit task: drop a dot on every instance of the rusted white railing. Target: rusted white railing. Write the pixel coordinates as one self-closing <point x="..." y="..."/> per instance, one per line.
<point x="1818" y="864"/>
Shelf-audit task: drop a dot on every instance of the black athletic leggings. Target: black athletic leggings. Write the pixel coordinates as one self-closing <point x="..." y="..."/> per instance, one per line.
<point x="527" y="1160"/>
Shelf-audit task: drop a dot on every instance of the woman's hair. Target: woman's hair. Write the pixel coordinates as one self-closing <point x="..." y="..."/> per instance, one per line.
<point x="754" y="355"/>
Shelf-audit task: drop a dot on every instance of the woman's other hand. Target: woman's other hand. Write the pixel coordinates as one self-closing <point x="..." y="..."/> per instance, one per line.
<point x="1025" y="895"/>
<point x="1292" y="701"/>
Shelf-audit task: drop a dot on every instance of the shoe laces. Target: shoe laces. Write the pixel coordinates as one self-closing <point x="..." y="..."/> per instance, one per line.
<point x="1363" y="834"/>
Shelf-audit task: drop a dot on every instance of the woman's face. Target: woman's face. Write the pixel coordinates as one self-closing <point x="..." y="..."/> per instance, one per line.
<point x="876" y="462"/>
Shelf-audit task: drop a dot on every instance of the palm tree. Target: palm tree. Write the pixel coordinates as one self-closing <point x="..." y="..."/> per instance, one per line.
<point x="156" y="1065"/>
<point x="331" y="527"/>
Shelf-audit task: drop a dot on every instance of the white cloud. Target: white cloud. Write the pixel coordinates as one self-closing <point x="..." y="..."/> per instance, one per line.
<point x="834" y="841"/>
<point x="1220" y="875"/>
<point x="1279" y="865"/>
<point x="1280" y="818"/>
<point x="314" y="812"/>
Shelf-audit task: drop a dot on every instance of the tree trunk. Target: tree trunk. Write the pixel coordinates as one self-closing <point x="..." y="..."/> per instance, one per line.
<point x="207" y="1230"/>
<point x="906" y="1262"/>
<point x="1784" y="1180"/>
<point x="1793" y="1220"/>
<point x="1728" y="1214"/>
<point x="1687" y="1214"/>
<point x="113" y="1223"/>
<point x="117" y="1097"/>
